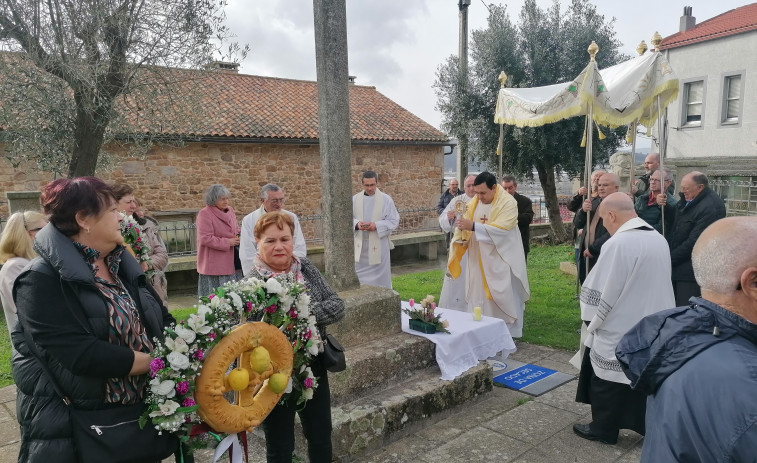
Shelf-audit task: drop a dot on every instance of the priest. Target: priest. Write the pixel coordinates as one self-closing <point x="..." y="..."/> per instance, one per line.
<point x="453" y="289"/>
<point x="496" y="267"/>
<point x="629" y="281"/>
<point x="374" y="218"/>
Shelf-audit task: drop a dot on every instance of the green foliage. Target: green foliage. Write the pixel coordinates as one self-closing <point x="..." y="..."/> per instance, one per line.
<point x="6" y="379"/>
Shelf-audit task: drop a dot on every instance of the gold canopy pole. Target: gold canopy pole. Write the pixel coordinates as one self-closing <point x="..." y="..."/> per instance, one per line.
<point x="588" y="161"/>
<point x="500" y="145"/>
<point x="640" y="49"/>
<point x="656" y="41"/>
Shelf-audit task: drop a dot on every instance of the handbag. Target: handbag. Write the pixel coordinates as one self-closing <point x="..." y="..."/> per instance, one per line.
<point x="333" y="355"/>
<point x="110" y="434"/>
<point x="237" y="260"/>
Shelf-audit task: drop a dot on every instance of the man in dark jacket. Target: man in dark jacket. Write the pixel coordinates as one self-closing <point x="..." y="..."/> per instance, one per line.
<point x="698" y="363"/>
<point x="525" y="211"/>
<point x="451" y="192"/>
<point x="697" y="209"/>
<point x="595" y="234"/>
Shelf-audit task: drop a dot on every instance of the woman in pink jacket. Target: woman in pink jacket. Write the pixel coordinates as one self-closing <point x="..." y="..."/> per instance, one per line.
<point x="217" y="236"/>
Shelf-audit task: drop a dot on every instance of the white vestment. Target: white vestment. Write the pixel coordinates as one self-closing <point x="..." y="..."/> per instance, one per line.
<point x="630" y="280"/>
<point x="248" y="248"/>
<point x="453" y="289"/>
<point x="372" y="262"/>
<point x="496" y="261"/>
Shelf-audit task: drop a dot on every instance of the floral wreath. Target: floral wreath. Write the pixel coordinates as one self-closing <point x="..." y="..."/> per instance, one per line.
<point x="279" y="301"/>
<point x="134" y="238"/>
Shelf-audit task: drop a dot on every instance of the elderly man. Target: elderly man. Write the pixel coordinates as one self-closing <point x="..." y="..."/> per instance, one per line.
<point x="374" y="218"/>
<point x="697" y="209"/>
<point x="448" y="195"/>
<point x="271" y="199"/>
<point x="496" y="268"/>
<point x="629" y="281"/>
<point x="698" y="362"/>
<point x="453" y="290"/>
<point x="647" y="205"/>
<point x="641" y="185"/>
<point x="525" y="211"/>
<point x="594" y="234"/>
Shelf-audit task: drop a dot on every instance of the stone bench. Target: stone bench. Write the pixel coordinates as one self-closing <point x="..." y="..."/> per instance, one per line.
<point x="424" y="245"/>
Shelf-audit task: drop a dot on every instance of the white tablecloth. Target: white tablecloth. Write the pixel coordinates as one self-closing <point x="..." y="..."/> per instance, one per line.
<point x="468" y="342"/>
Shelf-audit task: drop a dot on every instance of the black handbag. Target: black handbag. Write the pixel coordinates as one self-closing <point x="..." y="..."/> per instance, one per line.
<point x="110" y="434"/>
<point x="237" y="260"/>
<point x="333" y="355"/>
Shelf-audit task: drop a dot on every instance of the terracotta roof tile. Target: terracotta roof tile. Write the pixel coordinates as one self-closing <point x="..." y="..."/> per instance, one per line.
<point x="731" y="22"/>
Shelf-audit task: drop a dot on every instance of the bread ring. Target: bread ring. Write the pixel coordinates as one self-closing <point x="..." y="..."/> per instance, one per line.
<point x="257" y="400"/>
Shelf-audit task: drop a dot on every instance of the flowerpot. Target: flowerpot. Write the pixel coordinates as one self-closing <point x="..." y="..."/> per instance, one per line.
<point x="423" y="327"/>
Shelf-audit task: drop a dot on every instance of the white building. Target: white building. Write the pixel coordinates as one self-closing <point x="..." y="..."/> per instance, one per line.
<point x="713" y="123"/>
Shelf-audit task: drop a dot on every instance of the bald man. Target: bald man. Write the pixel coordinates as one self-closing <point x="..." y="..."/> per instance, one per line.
<point x="698" y="363"/>
<point x="697" y="208"/>
<point x="629" y="282"/>
<point x="594" y="234"/>
<point x="641" y="185"/>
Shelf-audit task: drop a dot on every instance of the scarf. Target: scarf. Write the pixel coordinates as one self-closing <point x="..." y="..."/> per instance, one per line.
<point x="267" y="272"/>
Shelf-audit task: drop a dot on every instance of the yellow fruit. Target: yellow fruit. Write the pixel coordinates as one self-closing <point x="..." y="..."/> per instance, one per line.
<point x="239" y="379"/>
<point x="260" y="359"/>
<point x="278" y="382"/>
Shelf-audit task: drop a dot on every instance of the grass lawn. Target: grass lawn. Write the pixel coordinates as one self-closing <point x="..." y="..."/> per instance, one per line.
<point x="551" y="319"/>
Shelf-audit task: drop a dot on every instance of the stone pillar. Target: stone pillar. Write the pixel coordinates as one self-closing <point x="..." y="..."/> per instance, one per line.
<point x="23" y="201"/>
<point x="330" y="19"/>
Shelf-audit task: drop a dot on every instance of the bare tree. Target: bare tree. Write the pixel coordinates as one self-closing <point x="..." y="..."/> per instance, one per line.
<point x="71" y="60"/>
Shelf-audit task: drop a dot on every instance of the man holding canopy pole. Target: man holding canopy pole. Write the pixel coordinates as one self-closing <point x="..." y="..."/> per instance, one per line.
<point x="496" y="269"/>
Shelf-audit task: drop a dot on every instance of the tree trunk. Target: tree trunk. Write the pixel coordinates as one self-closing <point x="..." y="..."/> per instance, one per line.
<point x="89" y="133"/>
<point x="546" y="173"/>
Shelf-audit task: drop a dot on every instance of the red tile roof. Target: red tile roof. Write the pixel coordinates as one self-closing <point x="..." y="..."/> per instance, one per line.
<point x="731" y="22"/>
<point x="254" y="107"/>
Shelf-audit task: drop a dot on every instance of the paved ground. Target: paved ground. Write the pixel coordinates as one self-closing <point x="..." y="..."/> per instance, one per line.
<point x="504" y="425"/>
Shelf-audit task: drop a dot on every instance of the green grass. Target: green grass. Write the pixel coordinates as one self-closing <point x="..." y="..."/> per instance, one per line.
<point x="551" y="319"/>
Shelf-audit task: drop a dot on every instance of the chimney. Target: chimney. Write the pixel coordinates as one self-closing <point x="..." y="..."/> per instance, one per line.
<point x="351" y="80"/>
<point x="225" y="66"/>
<point x="687" y="20"/>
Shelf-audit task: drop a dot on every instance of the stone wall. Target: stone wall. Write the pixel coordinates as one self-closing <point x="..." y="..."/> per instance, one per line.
<point x="171" y="178"/>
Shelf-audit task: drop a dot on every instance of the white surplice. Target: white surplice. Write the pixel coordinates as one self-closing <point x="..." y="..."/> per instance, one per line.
<point x="387" y="220"/>
<point x="630" y="280"/>
<point x="248" y="248"/>
<point x="453" y="289"/>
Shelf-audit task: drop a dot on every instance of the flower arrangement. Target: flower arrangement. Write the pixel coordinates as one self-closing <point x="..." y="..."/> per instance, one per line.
<point x="134" y="239"/>
<point x="425" y="313"/>
<point x="280" y="301"/>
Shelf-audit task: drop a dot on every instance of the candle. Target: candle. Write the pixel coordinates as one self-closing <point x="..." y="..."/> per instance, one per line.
<point x="477" y="314"/>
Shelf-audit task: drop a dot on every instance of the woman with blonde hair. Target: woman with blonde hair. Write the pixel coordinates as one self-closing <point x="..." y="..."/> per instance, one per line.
<point x="16" y="250"/>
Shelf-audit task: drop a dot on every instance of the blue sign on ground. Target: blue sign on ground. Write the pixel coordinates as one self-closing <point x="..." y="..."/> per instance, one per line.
<point x="526" y="375"/>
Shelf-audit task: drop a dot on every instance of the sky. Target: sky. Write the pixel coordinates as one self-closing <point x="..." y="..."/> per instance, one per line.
<point x="398" y="45"/>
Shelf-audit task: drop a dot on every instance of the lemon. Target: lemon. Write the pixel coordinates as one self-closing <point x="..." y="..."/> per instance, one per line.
<point x="239" y="379"/>
<point x="278" y="382"/>
<point x="260" y="359"/>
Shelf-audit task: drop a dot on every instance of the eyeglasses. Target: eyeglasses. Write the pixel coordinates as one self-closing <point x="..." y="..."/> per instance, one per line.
<point x="276" y="201"/>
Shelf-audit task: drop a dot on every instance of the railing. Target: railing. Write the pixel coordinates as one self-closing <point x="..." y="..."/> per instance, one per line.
<point x="541" y="215"/>
<point x="739" y="194"/>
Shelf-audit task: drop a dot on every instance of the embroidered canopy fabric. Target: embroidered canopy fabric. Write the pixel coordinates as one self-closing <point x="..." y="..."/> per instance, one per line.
<point x="619" y="95"/>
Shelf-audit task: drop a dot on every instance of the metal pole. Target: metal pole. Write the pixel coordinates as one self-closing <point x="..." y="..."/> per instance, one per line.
<point x="633" y="156"/>
<point x="462" y="56"/>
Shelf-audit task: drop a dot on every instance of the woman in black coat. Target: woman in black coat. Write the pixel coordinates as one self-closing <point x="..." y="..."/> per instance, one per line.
<point x="90" y="313"/>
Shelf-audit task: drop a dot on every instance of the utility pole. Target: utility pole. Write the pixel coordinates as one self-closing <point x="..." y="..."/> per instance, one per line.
<point x="462" y="56"/>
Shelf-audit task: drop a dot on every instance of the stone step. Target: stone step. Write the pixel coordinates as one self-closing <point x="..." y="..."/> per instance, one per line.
<point x="371" y="422"/>
<point x="381" y="363"/>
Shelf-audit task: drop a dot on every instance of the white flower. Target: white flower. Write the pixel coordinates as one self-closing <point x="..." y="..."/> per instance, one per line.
<point x="303" y="300"/>
<point x="314" y="349"/>
<point x="185" y="334"/>
<point x="273" y="286"/>
<point x="178" y="361"/>
<point x="215" y="302"/>
<point x="236" y="300"/>
<point x="167" y="408"/>
<point x="165" y="388"/>
<point x="308" y="393"/>
<point x="286" y="301"/>
<point x="202" y="310"/>
<point x="289" y="386"/>
<point x="177" y="345"/>
<point x="310" y="372"/>
<point x="198" y="324"/>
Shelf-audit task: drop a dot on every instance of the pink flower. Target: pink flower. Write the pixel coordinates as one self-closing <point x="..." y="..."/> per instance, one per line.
<point x="292" y="313"/>
<point x="199" y="355"/>
<point x="411" y="302"/>
<point x="212" y="336"/>
<point x="307" y="335"/>
<point x="188" y="403"/>
<point x="155" y="366"/>
<point x="211" y="296"/>
<point x="308" y="383"/>
<point x="248" y="306"/>
<point x="182" y="387"/>
<point x="433" y="305"/>
<point x="271" y="308"/>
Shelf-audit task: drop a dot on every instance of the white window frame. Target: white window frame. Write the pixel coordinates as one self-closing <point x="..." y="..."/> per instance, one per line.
<point x="725" y="79"/>
<point x="685" y="85"/>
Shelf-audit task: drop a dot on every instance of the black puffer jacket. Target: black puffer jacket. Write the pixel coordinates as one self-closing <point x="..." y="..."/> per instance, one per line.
<point x="68" y="322"/>
<point x="690" y="221"/>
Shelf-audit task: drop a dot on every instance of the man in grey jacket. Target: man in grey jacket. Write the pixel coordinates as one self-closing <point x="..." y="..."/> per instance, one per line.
<point x="698" y="363"/>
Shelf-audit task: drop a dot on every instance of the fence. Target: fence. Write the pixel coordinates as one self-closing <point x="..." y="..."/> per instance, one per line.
<point x="739" y="194"/>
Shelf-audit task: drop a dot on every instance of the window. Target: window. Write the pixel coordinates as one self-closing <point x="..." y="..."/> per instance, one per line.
<point x="693" y="103"/>
<point x="731" y="103"/>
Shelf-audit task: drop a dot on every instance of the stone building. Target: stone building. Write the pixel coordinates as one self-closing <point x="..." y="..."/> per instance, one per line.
<point x="255" y="130"/>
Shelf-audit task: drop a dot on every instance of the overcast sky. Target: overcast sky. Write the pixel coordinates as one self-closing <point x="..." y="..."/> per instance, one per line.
<point x="397" y="45"/>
